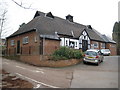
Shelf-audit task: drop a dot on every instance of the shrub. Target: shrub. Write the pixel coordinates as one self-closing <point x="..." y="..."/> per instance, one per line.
<point x="66" y="53"/>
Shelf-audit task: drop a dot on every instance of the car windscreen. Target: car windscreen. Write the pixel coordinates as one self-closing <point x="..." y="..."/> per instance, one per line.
<point x="105" y="50"/>
<point x="91" y="53"/>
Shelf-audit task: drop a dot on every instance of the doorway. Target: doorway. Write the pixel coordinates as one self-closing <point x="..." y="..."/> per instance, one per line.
<point x="18" y="46"/>
<point x="84" y="45"/>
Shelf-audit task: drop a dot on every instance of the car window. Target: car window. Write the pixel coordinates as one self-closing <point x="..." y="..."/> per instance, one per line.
<point x="91" y="53"/>
<point x="107" y="50"/>
<point x="103" y="50"/>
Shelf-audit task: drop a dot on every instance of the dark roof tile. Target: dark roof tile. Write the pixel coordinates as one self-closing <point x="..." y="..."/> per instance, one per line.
<point x="48" y="26"/>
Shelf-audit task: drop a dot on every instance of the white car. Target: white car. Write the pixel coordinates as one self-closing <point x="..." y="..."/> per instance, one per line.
<point x="105" y="52"/>
<point x="93" y="56"/>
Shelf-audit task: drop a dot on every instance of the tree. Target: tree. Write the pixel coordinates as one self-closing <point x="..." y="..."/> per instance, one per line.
<point x="115" y="28"/>
<point x="3" y="18"/>
<point x="22" y="5"/>
<point x="116" y="35"/>
<point x="2" y="21"/>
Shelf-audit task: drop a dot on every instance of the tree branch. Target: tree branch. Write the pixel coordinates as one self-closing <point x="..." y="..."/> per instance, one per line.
<point x="2" y="21"/>
<point x="21" y="5"/>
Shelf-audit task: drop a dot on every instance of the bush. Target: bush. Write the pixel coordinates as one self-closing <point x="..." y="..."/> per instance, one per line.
<point x="66" y="53"/>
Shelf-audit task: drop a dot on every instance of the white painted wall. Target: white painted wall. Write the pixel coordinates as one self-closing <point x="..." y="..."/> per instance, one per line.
<point x="62" y="42"/>
<point x="76" y="43"/>
<point x="82" y="38"/>
<point x="66" y="42"/>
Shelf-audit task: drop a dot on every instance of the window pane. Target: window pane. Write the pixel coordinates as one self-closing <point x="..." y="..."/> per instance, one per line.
<point x="25" y="40"/>
<point x="12" y="42"/>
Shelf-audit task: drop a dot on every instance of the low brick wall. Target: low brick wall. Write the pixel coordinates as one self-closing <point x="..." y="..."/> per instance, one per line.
<point x="37" y="60"/>
<point x="31" y="59"/>
<point x="60" y="63"/>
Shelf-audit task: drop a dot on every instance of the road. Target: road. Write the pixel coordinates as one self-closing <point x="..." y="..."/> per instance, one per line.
<point x="45" y="77"/>
<point x="78" y="76"/>
<point x="103" y="76"/>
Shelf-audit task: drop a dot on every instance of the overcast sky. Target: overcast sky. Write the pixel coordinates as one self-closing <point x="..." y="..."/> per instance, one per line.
<point x="100" y="14"/>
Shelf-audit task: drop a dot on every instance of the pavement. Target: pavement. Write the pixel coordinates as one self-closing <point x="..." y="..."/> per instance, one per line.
<point x="78" y="76"/>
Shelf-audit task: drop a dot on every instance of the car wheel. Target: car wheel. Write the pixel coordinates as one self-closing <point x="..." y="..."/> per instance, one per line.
<point x="98" y="63"/>
<point x="84" y="62"/>
<point x="102" y="59"/>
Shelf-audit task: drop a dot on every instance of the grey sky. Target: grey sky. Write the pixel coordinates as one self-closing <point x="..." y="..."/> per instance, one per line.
<point x="101" y="14"/>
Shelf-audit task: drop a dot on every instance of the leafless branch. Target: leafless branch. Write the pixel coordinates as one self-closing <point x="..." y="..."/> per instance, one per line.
<point x="21" y="5"/>
<point x="2" y="21"/>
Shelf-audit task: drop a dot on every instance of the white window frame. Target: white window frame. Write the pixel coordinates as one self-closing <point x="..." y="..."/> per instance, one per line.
<point x="12" y="42"/>
<point x="35" y="38"/>
<point x="25" y="40"/>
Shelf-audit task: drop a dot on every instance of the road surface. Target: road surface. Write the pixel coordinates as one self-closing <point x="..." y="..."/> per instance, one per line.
<point x="78" y="76"/>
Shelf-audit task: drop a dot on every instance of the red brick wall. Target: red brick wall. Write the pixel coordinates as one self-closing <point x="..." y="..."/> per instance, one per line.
<point x="112" y="48"/>
<point x="36" y="60"/>
<point x="32" y="47"/>
<point x="92" y="42"/>
<point x="31" y="59"/>
<point x="25" y="47"/>
<point x="50" y="46"/>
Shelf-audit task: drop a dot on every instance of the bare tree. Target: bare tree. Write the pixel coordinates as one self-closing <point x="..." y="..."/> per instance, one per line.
<point x="2" y="21"/>
<point x="21" y="4"/>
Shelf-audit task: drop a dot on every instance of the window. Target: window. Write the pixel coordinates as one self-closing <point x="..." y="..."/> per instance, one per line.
<point x="72" y="44"/>
<point x="12" y="42"/>
<point x="35" y="38"/>
<point x="102" y="45"/>
<point x="91" y="53"/>
<point x="76" y="44"/>
<point x="66" y="43"/>
<point x="113" y="46"/>
<point x="25" y="40"/>
<point x="96" y="45"/>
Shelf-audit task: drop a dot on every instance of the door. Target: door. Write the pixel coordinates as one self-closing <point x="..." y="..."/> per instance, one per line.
<point x="18" y="46"/>
<point x="41" y="47"/>
<point x="84" y="45"/>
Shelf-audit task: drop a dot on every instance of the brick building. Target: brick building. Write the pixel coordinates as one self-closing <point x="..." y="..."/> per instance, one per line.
<point x="45" y="33"/>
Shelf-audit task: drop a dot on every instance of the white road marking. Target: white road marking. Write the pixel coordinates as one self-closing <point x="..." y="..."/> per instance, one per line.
<point x="36" y="81"/>
<point x="20" y="67"/>
<point x="39" y="71"/>
<point x="30" y="70"/>
<point x="38" y="86"/>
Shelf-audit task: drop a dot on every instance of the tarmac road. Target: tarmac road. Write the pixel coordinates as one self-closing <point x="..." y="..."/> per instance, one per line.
<point x="78" y="76"/>
<point x="103" y="76"/>
<point x="41" y="77"/>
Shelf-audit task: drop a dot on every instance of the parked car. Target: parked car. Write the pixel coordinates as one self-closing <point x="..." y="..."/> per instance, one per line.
<point x="93" y="56"/>
<point x="105" y="52"/>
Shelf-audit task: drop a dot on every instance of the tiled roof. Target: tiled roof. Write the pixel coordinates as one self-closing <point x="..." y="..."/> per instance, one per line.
<point x="94" y="35"/>
<point x="107" y="39"/>
<point x="48" y="26"/>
